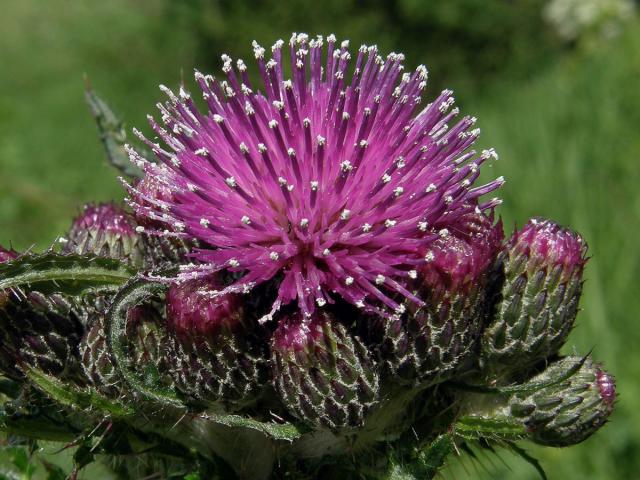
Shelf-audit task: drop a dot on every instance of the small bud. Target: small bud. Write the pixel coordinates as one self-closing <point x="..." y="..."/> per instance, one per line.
<point x="432" y="343"/>
<point x="542" y="267"/>
<point x="41" y="331"/>
<point x="144" y="339"/>
<point x="159" y="250"/>
<point x="322" y="373"/>
<point x="215" y="353"/>
<point x="567" y="412"/>
<point x="105" y="230"/>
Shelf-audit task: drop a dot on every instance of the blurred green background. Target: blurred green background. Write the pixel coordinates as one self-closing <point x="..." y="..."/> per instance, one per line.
<point x="554" y="83"/>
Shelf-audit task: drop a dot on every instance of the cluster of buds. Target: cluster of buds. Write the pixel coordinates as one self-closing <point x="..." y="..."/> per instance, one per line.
<point x="310" y="271"/>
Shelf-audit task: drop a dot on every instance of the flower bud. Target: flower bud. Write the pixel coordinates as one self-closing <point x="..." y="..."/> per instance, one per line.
<point x="97" y="361"/>
<point x="161" y="246"/>
<point x="567" y="412"/>
<point x="39" y="331"/>
<point x="145" y="351"/>
<point x="216" y="354"/>
<point x="432" y="343"/>
<point x="322" y="373"/>
<point x="538" y="300"/>
<point x="105" y="230"/>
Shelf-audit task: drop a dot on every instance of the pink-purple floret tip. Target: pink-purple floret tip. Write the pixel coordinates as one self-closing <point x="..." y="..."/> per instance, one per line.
<point x="106" y="217"/>
<point x="606" y="386"/>
<point x="341" y="185"/>
<point x="7" y="255"/>
<point x="552" y="244"/>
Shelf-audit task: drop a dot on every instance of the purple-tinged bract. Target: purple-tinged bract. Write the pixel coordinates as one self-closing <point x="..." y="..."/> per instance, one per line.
<point x="332" y="178"/>
<point x="192" y="312"/>
<point x="541" y="268"/>
<point x="106" y="230"/>
<point x="216" y="355"/>
<point x="462" y="255"/>
<point x="551" y="245"/>
<point x="7" y="255"/>
<point x="107" y="217"/>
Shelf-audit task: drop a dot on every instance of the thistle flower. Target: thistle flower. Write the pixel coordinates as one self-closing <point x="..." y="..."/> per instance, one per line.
<point x="542" y="265"/>
<point x="105" y="230"/>
<point x="332" y="184"/>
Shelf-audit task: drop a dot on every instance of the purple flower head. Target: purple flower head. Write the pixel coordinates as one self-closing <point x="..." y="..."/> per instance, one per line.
<point x="332" y="178"/>
<point x="462" y="253"/>
<point x="192" y="312"/>
<point x="7" y="255"/>
<point x="547" y="243"/>
<point x="105" y="217"/>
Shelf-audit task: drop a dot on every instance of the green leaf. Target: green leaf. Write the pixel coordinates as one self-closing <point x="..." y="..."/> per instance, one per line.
<point x="39" y="428"/>
<point x="472" y="427"/>
<point x="277" y="431"/>
<point x="433" y="457"/>
<point x="54" y="472"/>
<point x="527" y="387"/>
<point x="75" y="397"/>
<point x="112" y="134"/>
<point x="69" y="274"/>
<point x="9" y="388"/>
<point x="519" y="451"/>
<point x="83" y="456"/>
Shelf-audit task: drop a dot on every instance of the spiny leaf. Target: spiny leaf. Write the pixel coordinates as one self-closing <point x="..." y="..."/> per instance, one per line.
<point x="284" y="431"/>
<point x="35" y="427"/>
<point x="527" y="458"/>
<point x="525" y="387"/>
<point x="471" y="427"/>
<point x="69" y="274"/>
<point x="112" y="134"/>
<point x="433" y="457"/>
<point x="75" y="397"/>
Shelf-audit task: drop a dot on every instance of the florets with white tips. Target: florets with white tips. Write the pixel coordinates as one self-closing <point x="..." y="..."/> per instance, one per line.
<point x="303" y="158"/>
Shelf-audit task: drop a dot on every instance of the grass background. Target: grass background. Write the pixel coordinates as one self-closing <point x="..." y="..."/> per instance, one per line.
<point x="564" y="120"/>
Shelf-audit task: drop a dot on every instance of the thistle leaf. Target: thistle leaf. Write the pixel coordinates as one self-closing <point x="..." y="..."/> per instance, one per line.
<point x="70" y="395"/>
<point x="527" y="387"/>
<point x="112" y="134"/>
<point x="522" y="453"/>
<point x="68" y="274"/>
<point x="277" y="431"/>
<point x="502" y="427"/>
